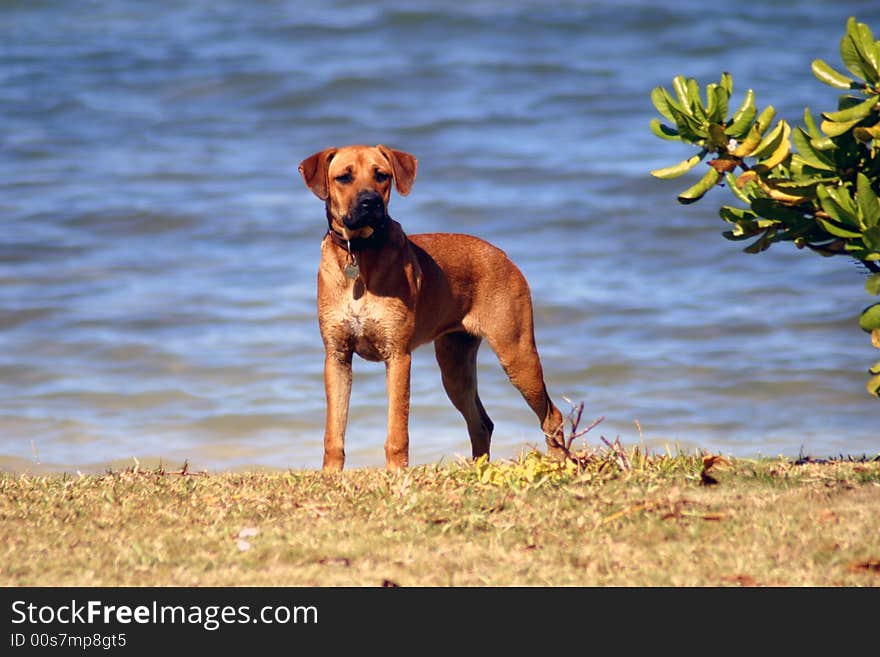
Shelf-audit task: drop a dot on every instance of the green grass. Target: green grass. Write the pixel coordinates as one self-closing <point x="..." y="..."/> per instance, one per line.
<point x="620" y="518"/>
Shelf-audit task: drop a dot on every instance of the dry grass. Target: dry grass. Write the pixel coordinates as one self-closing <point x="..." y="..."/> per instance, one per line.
<point x="619" y="518"/>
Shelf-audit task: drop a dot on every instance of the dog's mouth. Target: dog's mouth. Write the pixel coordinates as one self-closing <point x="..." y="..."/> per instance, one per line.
<point x="359" y="234"/>
<point x="365" y="215"/>
<point x="368" y="209"/>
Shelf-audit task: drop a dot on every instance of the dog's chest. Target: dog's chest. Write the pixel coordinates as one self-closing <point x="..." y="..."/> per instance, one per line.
<point x="365" y="325"/>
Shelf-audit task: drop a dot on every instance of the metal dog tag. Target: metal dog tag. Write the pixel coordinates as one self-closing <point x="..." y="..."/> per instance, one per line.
<point x="352" y="271"/>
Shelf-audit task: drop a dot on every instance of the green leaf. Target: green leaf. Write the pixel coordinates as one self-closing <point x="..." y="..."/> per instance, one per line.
<point x="789" y="216"/>
<point x="824" y="144"/>
<point x="837" y="203"/>
<point x="746" y="229"/>
<point x="679" y="169"/>
<point x="850" y="52"/>
<point x="829" y="76"/>
<point x="762" y="243"/>
<point x="728" y="235"/>
<point x="718" y="105"/>
<point x="753" y="138"/>
<point x="804" y="185"/>
<point x="835" y="129"/>
<point x="777" y="151"/>
<point x="727" y="83"/>
<point x="688" y="127"/>
<point x="870" y="318"/>
<point x="730" y="179"/>
<point x="857" y="111"/>
<point x="847" y="203"/>
<point x="872" y="286"/>
<point x="743" y="116"/>
<point x="868" y="203"/>
<point x="693" y="92"/>
<point x="833" y="229"/>
<point x="664" y="131"/>
<point x="662" y="101"/>
<point x="680" y="87"/>
<point x="809" y="155"/>
<point x="696" y="192"/>
<point x="873" y="385"/>
<point x="771" y="141"/>
<point x="857" y="250"/>
<point x="868" y="50"/>
<point x="710" y="96"/>
<point x="871" y="239"/>
<point x="733" y="215"/>
<point x="812" y="130"/>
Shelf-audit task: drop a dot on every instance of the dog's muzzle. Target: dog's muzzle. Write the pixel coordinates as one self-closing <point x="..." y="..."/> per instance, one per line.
<point x="368" y="209"/>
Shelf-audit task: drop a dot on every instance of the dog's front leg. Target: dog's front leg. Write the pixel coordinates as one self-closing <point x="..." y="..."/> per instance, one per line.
<point x="337" y="386"/>
<point x="397" y="372"/>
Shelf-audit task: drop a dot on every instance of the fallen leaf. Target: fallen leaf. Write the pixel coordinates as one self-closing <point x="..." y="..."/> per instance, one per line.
<point x="827" y="515"/>
<point x="334" y="561"/>
<point x="625" y="512"/>
<point x="707" y="479"/>
<point x="708" y="463"/>
<point x="869" y="566"/>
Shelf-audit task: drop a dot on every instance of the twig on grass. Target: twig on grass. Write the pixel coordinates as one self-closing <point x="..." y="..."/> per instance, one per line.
<point x="160" y="471"/>
<point x="564" y="442"/>
<point x="619" y="453"/>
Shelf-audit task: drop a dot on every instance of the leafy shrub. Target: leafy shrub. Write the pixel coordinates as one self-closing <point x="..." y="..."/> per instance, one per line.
<point x="816" y="185"/>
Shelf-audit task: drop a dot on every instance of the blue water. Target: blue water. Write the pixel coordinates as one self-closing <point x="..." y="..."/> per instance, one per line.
<point x="159" y="250"/>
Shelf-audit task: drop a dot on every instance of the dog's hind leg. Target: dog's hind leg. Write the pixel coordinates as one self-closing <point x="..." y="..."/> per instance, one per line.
<point x="457" y="356"/>
<point x="518" y="356"/>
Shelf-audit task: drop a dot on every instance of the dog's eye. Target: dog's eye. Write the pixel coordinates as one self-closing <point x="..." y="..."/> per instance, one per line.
<point x="344" y="179"/>
<point x="381" y="176"/>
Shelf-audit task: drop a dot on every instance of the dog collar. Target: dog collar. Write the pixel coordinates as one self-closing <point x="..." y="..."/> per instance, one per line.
<point x="359" y="243"/>
<point x="352" y="269"/>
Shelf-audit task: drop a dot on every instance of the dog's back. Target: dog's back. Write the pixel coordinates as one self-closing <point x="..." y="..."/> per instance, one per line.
<point x="468" y="284"/>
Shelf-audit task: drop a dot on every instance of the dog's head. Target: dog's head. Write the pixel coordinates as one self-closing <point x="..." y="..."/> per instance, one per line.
<point x="355" y="184"/>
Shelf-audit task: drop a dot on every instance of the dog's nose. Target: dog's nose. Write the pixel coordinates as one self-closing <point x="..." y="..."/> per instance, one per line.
<point x="369" y="202"/>
<point x="368" y="208"/>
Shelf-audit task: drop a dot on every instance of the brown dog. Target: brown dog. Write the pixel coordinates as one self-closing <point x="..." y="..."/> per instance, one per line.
<point x="381" y="294"/>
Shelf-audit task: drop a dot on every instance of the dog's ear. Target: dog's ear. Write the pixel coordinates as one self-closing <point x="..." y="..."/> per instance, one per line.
<point x="404" y="167"/>
<point x="314" y="172"/>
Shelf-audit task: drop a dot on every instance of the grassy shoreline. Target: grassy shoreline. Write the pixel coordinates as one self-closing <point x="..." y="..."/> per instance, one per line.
<point x="622" y="518"/>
